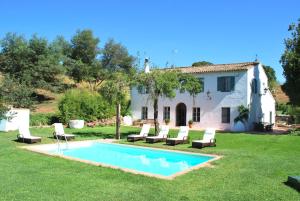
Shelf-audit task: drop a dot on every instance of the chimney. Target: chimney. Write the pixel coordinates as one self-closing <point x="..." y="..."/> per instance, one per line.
<point x="146" y="65"/>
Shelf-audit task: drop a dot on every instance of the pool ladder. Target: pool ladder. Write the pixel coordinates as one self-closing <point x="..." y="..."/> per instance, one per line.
<point x="58" y="144"/>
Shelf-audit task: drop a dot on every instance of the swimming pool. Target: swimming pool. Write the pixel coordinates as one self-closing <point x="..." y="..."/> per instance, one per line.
<point x="148" y="161"/>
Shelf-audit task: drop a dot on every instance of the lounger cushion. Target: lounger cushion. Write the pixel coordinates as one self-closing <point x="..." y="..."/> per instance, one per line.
<point x="134" y="136"/>
<point x="66" y="135"/>
<point x="201" y="141"/>
<point x="183" y="132"/>
<point x="59" y="131"/>
<point x="175" y="138"/>
<point x="155" y="137"/>
<point x="25" y="133"/>
<point x="144" y="132"/>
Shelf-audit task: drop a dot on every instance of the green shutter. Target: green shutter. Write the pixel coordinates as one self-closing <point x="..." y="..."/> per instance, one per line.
<point x="228" y="114"/>
<point x="219" y="83"/>
<point x="202" y="84"/>
<point x="232" y="83"/>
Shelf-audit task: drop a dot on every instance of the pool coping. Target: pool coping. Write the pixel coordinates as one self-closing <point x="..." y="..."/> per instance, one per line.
<point x="37" y="149"/>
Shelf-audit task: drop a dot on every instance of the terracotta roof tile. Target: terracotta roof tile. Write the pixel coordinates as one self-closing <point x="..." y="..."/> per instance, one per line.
<point x="216" y="67"/>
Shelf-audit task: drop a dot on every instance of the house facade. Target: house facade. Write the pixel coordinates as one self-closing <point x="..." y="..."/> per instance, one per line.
<point x="225" y="88"/>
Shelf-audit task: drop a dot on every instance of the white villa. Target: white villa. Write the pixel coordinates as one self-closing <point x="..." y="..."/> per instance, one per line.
<point x="225" y="88"/>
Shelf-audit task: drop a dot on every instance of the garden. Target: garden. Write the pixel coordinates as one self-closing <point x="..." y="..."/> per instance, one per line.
<point x="253" y="167"/>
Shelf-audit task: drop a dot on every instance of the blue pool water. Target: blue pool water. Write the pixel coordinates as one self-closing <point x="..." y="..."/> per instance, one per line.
<point x="165" y="163"/>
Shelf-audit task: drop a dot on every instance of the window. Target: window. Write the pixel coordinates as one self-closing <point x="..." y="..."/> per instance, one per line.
<point x="225" y="115"/>
<point x="144" y="113"/>
<point x="166" y="113"/>
<point x="143" y="90"/>
<point x="201" y="80"/>
<point x="254" y="86"/>
<point x="196" y="114"/>
<point x="181" y="90"/>
<point x="226" y="83"/>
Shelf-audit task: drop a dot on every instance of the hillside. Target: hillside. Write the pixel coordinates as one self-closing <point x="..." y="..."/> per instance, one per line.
<point x="48" y="102"/>
<point x="280" y="96"/>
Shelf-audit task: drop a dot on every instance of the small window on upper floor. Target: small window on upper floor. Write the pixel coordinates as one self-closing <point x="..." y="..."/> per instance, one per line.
<point x="226" y="83"/>
<point x="182" y="82"/>
<point x="201" y="80"/>
<point x="143" y="90"/>
<point x="254" y="86"/>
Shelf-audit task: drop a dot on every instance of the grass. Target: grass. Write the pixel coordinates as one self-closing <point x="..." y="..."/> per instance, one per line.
<point x="254" y="167"/>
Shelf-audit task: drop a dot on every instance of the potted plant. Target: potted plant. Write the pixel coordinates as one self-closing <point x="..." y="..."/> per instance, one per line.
<point x="240" y="122"/>
<point x="191" y="123"/>
<point x="167" y="121"/>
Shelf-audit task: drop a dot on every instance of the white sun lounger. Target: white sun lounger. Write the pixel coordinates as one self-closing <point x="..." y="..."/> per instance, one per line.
<point x="25" y="136"/>
<point x="60" y="133"/>
<point x="208" y="139"/>
<point x="162" y="135"/>
<point x="182" y="136"/>
<point x="143" y="134"/>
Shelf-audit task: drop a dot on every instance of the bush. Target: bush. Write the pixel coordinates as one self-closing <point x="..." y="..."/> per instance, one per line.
<point x="43" y="119"/>
<point x="84" y="104"/>
<point x="259" y="126"/>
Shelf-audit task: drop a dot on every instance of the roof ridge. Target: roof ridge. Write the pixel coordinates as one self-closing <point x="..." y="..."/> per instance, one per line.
<point x="211" y="65"/>
<point x="215" y="67"/>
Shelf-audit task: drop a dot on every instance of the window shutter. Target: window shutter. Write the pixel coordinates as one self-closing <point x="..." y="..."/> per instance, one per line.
<point x="228" y="115"/>
<point x="232" y="83"/>
<point x="201" y="80"/>
<point x="219" y="83"/>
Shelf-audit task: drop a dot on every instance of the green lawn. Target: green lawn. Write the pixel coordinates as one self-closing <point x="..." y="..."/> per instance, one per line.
<point x="254" y="167"/>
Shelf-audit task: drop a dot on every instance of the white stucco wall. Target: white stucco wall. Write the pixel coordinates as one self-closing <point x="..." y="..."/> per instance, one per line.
<point x="262" y="103"/>
<point x="19" y="117"/>
<point x="210" y="108"/>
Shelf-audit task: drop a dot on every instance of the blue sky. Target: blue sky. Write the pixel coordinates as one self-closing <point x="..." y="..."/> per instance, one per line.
<point x="175" y="31"/>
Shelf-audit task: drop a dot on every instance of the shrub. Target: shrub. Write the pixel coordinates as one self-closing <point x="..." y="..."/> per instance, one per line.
<point x="42" y="119"/>
<point x="84" y="104"/>
<point x="259" y="126"/>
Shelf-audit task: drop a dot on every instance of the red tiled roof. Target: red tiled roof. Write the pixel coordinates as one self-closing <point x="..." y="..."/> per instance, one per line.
<point x="216" y="67"/>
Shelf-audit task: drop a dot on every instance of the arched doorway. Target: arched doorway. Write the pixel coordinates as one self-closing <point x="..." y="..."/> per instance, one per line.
<point x="181" y="114"/>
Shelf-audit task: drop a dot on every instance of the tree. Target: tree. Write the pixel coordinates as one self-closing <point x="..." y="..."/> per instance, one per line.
<point x="44" y="66"/>
<point x="61" y="48"/>
<point x="115" y="90"/>
<point x="115" y="57"/>
<point x="202" y="63"/>
<point x="82" y="62"/>
<point x="163" y="83"/>
<point x="31" y="62"/>
<point x="119" y="66"/>
<point x="84" y="47"/>
<point x="16" y="93"/>
<point x="3" y="108"/>
<point x="290" y="61"/>
<point x="270" y="72"/>
<point x="14" y="54"/>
